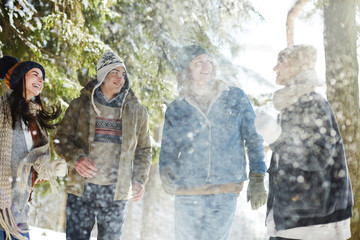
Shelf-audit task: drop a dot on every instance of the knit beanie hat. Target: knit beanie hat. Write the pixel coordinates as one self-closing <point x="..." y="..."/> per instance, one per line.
<point x="106" y="63"/>
<point x="187" y="54"/>
<point x="302" y="56"/>
<point x="13" y="71"/>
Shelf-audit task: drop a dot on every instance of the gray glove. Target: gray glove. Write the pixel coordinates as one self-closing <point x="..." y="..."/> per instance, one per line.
<point x="256" y="190"/>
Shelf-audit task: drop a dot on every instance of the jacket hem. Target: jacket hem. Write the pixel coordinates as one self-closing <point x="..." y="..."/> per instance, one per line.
<point x="303" y="222"/>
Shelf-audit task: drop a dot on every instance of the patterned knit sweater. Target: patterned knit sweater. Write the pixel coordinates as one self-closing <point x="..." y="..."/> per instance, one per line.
<point x="105" y="151"/>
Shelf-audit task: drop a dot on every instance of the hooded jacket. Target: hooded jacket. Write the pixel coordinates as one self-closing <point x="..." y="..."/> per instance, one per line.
<point x="75" y="136"/>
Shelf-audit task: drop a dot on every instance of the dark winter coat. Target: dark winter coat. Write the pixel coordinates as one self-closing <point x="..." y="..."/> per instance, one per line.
<point x="75" y="135"/>
<point x="308" y="175"/>
<point x="199" y="149"/>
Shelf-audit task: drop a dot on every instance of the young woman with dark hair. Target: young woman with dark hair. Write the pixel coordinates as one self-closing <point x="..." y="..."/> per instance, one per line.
<point x="24" y="143"/>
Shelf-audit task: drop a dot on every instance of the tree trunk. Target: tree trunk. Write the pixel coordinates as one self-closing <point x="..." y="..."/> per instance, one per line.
<point x="292" y="14"/>
<point x="340" y="37"/>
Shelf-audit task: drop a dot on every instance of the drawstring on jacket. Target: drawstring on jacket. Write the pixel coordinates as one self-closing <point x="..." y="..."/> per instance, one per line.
<point x="93" y="102"/>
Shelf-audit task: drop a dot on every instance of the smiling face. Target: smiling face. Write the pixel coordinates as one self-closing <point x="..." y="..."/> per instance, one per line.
<point x="34" y="83"/>
<point x="201" y="68"/>
<point x="113" y="82"/>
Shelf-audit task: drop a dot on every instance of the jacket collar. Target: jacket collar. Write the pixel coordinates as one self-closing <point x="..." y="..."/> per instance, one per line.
<point x="204" y="107"/>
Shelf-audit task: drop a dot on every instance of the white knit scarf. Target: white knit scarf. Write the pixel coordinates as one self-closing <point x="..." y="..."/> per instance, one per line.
<point x="303" y="83"/>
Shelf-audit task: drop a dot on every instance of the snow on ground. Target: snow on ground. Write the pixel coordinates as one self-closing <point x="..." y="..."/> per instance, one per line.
<point x="247" y="225"/>
<point x="48" y="212"/>
<point x="46" y="234"/>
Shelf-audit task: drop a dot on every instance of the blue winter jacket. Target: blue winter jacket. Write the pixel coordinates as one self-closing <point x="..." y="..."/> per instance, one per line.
<point x="210" y="149"/>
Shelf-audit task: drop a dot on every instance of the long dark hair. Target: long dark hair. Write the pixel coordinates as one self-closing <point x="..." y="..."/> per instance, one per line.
<point x="20" y="109"/>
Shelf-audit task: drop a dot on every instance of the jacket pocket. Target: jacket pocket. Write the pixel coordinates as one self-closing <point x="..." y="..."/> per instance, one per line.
<point x="305" y="193"/>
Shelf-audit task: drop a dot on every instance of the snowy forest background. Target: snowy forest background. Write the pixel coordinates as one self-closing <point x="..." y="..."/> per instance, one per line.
<point x="68" y="36"/>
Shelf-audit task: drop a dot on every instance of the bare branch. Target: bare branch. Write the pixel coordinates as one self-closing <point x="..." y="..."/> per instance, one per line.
<point x="292" y="14"/>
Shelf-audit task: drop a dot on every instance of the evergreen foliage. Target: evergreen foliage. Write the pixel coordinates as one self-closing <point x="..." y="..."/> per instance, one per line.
<point x="68" y="37"/>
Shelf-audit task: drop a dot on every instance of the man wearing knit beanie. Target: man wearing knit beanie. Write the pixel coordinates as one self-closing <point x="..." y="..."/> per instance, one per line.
<point x="202" y="159"/>
<point x="187" y="54"/>
<point x="104" y="137"/>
